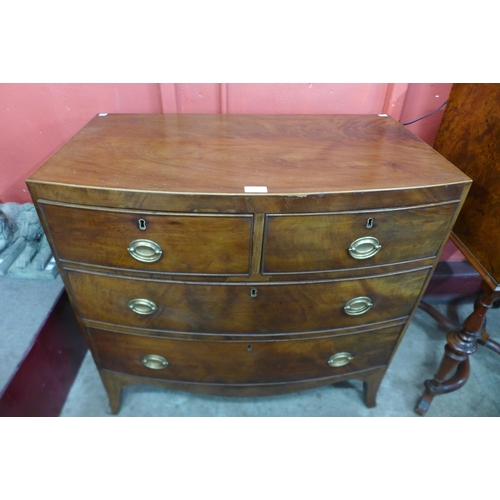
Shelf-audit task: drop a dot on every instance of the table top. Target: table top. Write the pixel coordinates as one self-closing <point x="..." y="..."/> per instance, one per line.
<point x="226" y="154"/>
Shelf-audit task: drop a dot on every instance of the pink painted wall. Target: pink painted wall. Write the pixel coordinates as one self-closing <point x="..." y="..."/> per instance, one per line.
<point x="37" y="119"/>
<point x="420" y="100"/>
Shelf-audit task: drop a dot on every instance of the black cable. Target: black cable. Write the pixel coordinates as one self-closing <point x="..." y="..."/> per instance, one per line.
<point x="425" y="116"/>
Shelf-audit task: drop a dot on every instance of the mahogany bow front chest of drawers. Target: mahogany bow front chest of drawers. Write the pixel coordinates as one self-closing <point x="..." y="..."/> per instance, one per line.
<point x="245" y="254"/>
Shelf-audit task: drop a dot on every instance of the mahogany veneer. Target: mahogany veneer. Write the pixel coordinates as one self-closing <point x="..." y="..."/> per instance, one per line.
<point x="245" y="254"/>
<point x="469" y="136"/>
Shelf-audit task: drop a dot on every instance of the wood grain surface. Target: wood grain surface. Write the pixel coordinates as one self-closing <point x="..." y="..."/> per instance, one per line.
<point x="288" y="154"/>
<point x="190" y="243"/>
<point x="469" y="136"/>
<point x="257" y="362"/>
<point x="307" y="243"/>
<point x="231" y="308"/>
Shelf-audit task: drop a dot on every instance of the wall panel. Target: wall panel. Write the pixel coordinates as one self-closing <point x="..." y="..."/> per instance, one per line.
<point x="422" y="99"/>
<point x="314" y="98"/>
<point x="198" y="97"/>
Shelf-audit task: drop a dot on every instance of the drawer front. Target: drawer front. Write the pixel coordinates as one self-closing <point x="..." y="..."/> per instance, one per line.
<point x="234" y="362"/>
<point x="327" y="242"/>
<point x="198" y="244"/>
<point x="245" y="308"/>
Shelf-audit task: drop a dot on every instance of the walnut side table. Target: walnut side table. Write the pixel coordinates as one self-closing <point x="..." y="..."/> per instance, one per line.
<point x="469" y="137"/>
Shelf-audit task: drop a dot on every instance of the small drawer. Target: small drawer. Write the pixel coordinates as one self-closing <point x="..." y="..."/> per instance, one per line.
<point x="245" y="307"/>
<point x="170" y="243"/>
<point x="328" y="242"/>
<point x="236" y="362"/>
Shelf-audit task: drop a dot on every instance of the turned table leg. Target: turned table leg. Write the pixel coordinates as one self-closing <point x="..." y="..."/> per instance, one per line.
<point x="490" y="344"/>
<point x="461" y="343"/>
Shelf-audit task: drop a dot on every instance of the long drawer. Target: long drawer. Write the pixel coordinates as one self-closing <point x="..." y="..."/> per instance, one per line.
<point x="327" y="242"/>
<point x="245" y="307"/>
<point x="234" y="362"/>
<point x="166" y="242"/>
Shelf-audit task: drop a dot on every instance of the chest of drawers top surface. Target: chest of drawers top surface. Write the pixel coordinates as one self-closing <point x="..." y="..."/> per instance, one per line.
<point x="223" y="154"/>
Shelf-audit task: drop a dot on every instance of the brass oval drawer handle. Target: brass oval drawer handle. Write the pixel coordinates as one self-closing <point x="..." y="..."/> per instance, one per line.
<point x="145" y="250"/>
<point x="364" y="247"/>
<point x="142" y="306"/>
<point x="357" y="306"/>
<point x="154" y="362"/>
<point x="340" y="359"/>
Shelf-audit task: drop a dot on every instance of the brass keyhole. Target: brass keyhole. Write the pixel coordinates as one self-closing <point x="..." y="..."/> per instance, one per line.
<point x="142" y="224"/>
<point x="369" y="223"/>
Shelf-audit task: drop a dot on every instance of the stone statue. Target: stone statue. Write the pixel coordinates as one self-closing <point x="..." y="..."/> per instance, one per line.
<point x="6" y="232"/>
<point x="11" y="210"/>
<point x="8" y="226"/>
<point x="43" y="255"/>
<point x="10" y="243"/>
<point x="24" y="249"/>
<point x="30" y="229"/>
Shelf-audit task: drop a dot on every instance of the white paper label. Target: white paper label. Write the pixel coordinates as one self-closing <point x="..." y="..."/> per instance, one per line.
<point x="255" y="189"/>
<point x="103" y="114"/>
